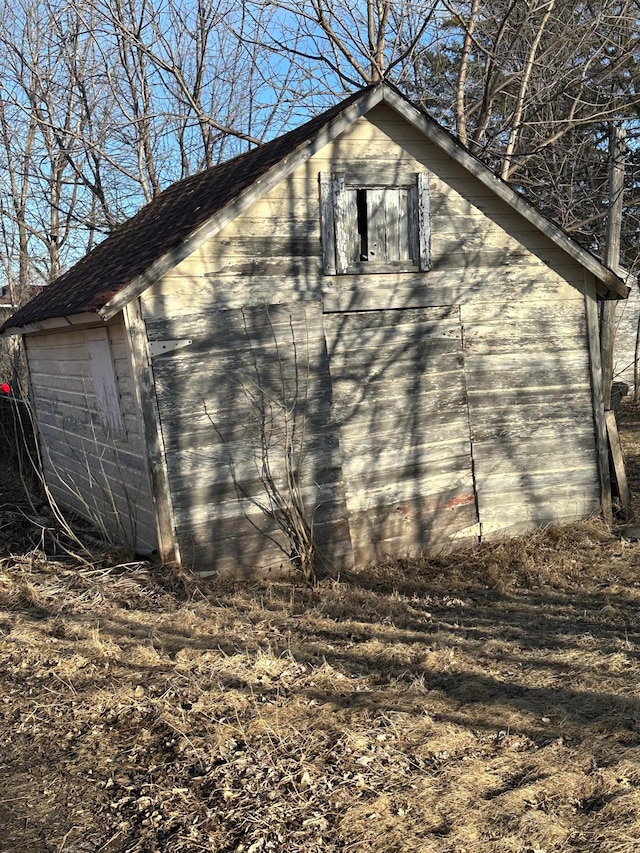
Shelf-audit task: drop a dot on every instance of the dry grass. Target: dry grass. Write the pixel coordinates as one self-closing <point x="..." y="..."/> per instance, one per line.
<point x="483" y="702"/>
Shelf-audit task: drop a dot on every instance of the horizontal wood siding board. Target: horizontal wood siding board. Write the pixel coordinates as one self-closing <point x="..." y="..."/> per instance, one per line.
<point x="540" y="478"/>
<point x="260" y="324"/>
<point x="215" y="508"/>
<point x="406" y="453"/>
<point x="445" y="488"/>
<point x="306" y="266"/>
<point x="186" y="476"/>
<point x="219" y="473"/>
<point x="508" y="409"/>
<point x="435" y="320"/>
<point x="299" y="243"/>
<point x="234" y="370"/>
<point x="424" y="471"/>
<point x="228" y="557"/>
<point x="430" y="345"/>
<point x="351" y="391"/>
<point x="207" y="293"/>
<point x="526" y="429"/>
<point x="222" y="500"/>
<point x="511" y="361"/>
<point x="536" y="346"/>
<point x="517" y="379"/>
<point x="69" y="346"/>
<point x="543" y="504"/>
<point x="559" y="396"/>
<point x="281" y="214"/>
<point x="439" y="288"/>
<point x="224" y="534"/>
<point x="537" y="312"/>
<point x="546" y="454"/>
<point x="554" y="326"/>
<point x="447" y="409"/>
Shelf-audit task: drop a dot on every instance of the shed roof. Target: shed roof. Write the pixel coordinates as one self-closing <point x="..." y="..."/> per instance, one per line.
<point x="171" y="226"/>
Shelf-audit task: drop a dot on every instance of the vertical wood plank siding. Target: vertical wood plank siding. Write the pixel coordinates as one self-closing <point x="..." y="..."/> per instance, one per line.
<point x="417" y="381"/>
<point x="96" y="471"/>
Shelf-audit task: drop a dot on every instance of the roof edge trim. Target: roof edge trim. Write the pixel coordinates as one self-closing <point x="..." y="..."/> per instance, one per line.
<point x="51" y="324"/>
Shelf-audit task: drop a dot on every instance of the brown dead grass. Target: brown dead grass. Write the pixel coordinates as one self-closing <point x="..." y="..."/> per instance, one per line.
<point x="486" y="701"/>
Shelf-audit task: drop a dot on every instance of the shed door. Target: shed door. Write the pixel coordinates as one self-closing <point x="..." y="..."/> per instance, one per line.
<point x="400" y="402"/>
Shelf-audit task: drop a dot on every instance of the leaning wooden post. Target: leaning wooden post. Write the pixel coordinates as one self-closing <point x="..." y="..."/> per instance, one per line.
<point x="612" y="254"/>
<point x="617" y="150"/>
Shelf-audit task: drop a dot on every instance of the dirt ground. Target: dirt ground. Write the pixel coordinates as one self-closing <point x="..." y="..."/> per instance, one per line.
<point x="483" y="702"/>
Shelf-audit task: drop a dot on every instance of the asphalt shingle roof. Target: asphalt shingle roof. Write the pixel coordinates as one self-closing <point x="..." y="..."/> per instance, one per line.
<point x="173" y="216"/>
<point x="162" y="225"/>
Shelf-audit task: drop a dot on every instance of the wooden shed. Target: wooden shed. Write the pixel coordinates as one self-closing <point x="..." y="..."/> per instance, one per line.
<point x="354" y="338"/>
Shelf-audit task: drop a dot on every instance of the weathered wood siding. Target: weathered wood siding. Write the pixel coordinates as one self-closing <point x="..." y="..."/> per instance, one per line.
<point x="405" y="446"/>
<point x="626" y="335"/>
<point x="463" y="389"/>
<point x="246" y="401"/>
<point x="87" y="414"/>
<point x="530" y="403"/>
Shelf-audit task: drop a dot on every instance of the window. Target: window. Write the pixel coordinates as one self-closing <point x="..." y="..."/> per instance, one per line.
<point x="374" y="228"/>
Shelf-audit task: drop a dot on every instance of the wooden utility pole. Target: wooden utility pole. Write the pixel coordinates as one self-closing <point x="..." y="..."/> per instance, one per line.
<point x="617" y="151"/>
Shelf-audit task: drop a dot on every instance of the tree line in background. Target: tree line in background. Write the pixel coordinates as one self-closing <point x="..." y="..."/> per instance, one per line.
<point x="103" y="103"/>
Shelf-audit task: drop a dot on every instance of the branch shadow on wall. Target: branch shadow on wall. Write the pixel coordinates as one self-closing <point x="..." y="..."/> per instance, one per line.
<point x="426" y="402"/>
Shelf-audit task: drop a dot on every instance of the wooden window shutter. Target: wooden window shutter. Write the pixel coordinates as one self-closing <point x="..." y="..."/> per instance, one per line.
<point x="345" y="220"/>
<point x="423" y="222"/>
<point x="327" y="225"/>
<point x="339" y="224"/>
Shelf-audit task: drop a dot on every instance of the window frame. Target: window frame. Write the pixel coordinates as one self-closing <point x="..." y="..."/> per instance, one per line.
<point x="340" y="222"/>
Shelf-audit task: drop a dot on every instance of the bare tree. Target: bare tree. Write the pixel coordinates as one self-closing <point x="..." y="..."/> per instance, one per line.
<point x="103" y="103"/>
<point x="353" y="44"/>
